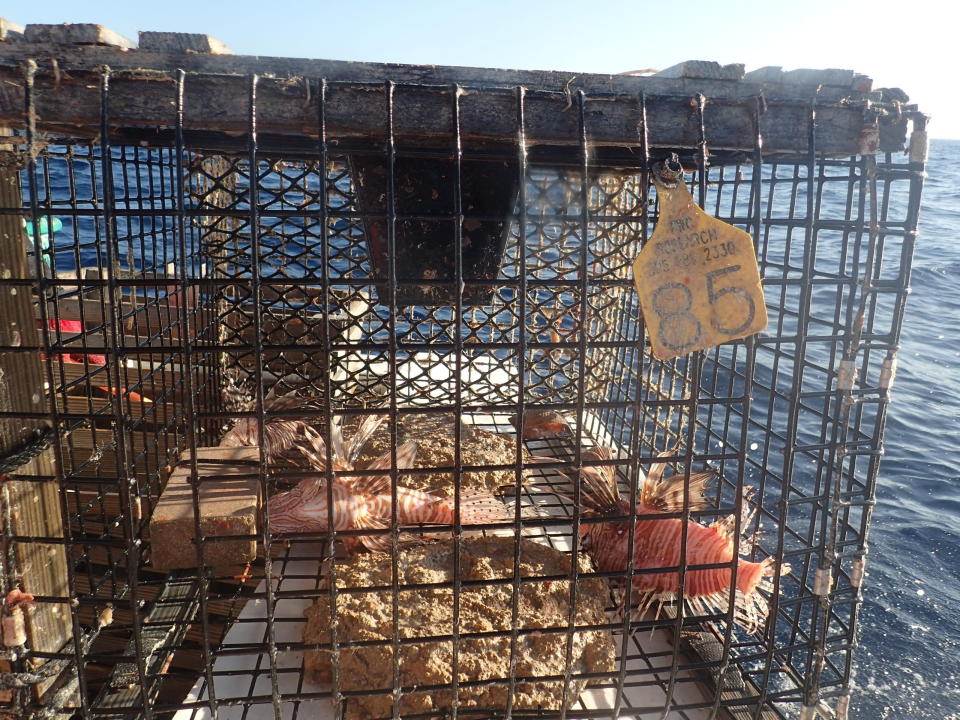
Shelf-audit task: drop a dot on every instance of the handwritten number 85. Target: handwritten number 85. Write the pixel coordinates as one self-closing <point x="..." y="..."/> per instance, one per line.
<point x="680" y="329"/>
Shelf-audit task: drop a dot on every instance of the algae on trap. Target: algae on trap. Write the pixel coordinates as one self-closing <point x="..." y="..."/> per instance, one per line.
<point x="367" y="615"/>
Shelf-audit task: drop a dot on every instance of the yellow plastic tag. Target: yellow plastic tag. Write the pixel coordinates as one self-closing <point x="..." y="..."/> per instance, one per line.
<point x="698" y="279"/>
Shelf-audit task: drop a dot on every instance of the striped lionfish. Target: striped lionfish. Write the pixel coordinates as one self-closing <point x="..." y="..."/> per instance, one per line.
<point x="281" y="435"/>
<point x="365" y="501"/>
<point x="657" y="544"/>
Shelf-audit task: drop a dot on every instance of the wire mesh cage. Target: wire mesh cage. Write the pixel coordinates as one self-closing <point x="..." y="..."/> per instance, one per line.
<point x="200" y="258"/>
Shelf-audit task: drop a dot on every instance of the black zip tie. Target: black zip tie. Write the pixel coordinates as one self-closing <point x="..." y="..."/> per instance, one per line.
<point x="43" y="439"/>
<point x="11" y="680"/>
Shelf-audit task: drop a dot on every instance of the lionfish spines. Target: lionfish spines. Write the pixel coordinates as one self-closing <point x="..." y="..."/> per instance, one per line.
<point x="659" y="542"/>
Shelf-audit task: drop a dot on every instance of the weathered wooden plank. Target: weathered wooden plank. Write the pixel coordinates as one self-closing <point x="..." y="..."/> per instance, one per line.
<point x="156" y="316"/>
<point x="229" y="498"/>
<point x="82" y="59"/>
<point x="831" y="77"/>
<point x="219" y="103"/>
<point x="146" y="591"/>
<point x="768" y="74"/>
<point x="105" y="467"/>
<point x="150" y="412"/>
<point x="182" y="42"/>
<point x="88" y="58"/>
<point x="143" y="90"/>
<point x="162" y="384"/>
<point x="10" y="30"/>
<point x="810" y="76"/>
<point x="703" y="69"/>
<point x="170" y="614"/>
<point x="94" y="438"/>
<point x="35" y="506"/>
<point x="76" y="34"/>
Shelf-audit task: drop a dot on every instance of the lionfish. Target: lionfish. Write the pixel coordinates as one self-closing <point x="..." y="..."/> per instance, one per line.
<point x="539" y="424"/>
<point x="365" y="501"/>
<point x="657" y="544"/>
<point x="281" y="435"/>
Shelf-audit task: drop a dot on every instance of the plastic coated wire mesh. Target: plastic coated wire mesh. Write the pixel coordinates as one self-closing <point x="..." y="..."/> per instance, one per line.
<point x="181" y="272"/>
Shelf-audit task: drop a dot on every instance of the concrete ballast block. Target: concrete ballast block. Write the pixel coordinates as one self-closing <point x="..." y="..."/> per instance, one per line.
<point x="229" y="498"/>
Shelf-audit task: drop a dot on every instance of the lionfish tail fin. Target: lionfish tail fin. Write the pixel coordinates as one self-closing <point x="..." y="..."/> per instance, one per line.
<point x="772" y="569"/>
<point x="482" y="509"/>
<point x="667" y="495"/>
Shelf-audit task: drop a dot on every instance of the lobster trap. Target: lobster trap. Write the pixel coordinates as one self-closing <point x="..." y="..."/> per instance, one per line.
<point x="188" y="236"/>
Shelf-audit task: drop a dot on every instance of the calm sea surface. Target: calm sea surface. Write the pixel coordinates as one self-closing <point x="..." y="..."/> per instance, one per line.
<point x="908" y="665"/>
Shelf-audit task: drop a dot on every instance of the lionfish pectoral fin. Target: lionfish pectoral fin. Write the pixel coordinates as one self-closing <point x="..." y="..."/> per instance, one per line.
<point x="336" y="437"/>
<point x="287" y="401"/>
<point x="380" y="483"/>
<point x="655" y="473"/>
<point x="407" y="454"/>
<point x="667" y="495"/>
<point x="367" y="428"/>
<point x="599" y="490"/>
<point x="281" y="435"/>
<point x="315" y="450"/>
<point x="376" y="543"/>
<point x="726" y="526"/>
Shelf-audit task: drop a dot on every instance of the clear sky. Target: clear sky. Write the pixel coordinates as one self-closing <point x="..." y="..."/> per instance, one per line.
<point x="902" y="44"/>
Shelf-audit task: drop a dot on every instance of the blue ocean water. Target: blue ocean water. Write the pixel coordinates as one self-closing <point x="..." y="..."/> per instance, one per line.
<point x="907" y="665"/>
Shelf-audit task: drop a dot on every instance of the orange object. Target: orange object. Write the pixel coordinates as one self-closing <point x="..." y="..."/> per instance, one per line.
<point x="134" y="396"/>
<point x="17" y="598"/>
<point x="245" y="575"/>
<point x="365" y="502"/>
<point x="539" y="424"/>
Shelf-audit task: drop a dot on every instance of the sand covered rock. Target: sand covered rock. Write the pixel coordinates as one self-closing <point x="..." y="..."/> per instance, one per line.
<point x="435" y="437"/>
<point x="428" y="612"/>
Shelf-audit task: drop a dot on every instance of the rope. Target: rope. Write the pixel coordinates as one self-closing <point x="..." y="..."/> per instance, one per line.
<point x="20" y="456"/>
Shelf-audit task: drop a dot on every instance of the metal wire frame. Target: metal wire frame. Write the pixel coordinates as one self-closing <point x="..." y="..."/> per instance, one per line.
<point x="779" y="388"/>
